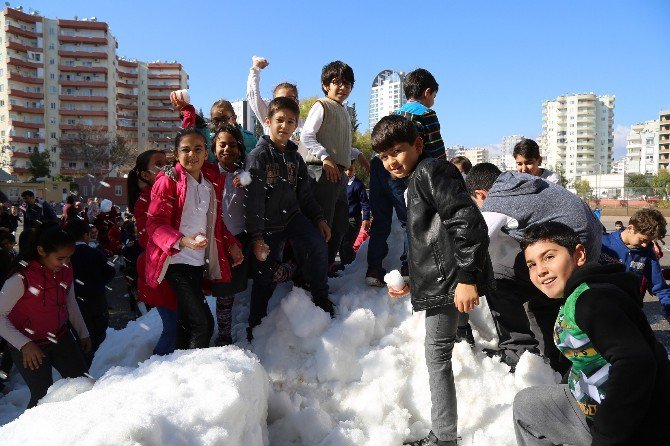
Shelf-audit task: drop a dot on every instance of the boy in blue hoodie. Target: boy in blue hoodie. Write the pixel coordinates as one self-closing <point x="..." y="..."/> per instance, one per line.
<point x="633" y="247"/>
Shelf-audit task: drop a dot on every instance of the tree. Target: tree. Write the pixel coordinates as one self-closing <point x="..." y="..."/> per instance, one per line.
<point x="40" y="164"/>
<point x="306" y="105"/>
<point x="583" y="189"/>
<point x="636" y="184"/>
<point x="661" y="183"/>
<point x="363" y="143"/>
<point x="560" y="170"/>
<point x="354" y="120"/>
<point x="100" y="152"/>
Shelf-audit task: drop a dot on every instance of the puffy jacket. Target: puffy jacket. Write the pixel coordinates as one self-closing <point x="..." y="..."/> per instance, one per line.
<point x="447" y="235"/>
<point x="43" y="307"/>
<point x="165" y="209"/>
<point x="140" y="212"/>
<point x="280" y="188"/>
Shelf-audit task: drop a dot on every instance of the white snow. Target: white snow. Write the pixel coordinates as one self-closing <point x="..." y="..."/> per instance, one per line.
<point x="395" y="280"/>
<point x="245" y="178"/>
<point x="199" y="238"/>
<point x="359" y="379"/>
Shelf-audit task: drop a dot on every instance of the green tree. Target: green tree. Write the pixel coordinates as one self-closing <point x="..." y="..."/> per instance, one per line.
<point x="636" y="185"/>
<point x="661" y="183"/>
<point x="363" y="143"/>
<point x="306" y="105"/>
<point x="40" y="164"/>
<point x="560" y="170"/>
<point x="583" y="189"/>
<point x="353" y="115"/>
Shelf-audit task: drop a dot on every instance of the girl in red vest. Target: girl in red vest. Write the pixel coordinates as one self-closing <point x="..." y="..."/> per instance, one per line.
<point x="188" y="238"/>
<point x="36" y="304"/>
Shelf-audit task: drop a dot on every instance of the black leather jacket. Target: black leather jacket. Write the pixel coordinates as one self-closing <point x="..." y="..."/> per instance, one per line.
<point x="448" y="237"/>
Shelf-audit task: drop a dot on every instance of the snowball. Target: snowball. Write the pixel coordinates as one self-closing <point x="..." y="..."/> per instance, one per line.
<point x="245" y="178"/>
<point x="395" y="280"/>
<point x="255" y="59"/>
<point x="183" y="95"/>
<point x="199" y="238"/>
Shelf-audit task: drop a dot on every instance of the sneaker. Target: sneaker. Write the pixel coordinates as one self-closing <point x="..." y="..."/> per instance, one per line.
<point x="464" y="333"/>
<point x="404" y="272"/>
<point x="375" y="277"/>
<point x="431" y="440"/>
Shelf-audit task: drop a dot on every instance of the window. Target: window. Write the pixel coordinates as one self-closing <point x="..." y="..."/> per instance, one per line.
<point x="52" y="61"/>
<point x="2" y="102"/>
<point x="52" y="31"/>
<point x="52" y="106"/>
<point x="52" y="76"/>
<point x="52" y="89"/>
<point x="53" y="135"/>
<point x="52" y="46"/>
<point x="72" y="165"/>
<point x="118" y="190"/>
<point x="85" y="190"/>
<point x="2" y="87"/>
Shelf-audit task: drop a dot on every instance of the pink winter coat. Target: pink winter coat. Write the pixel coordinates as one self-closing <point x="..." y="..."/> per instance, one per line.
<point x="164" y="218"/>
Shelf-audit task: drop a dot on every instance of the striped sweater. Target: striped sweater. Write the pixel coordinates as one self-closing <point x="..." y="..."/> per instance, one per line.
<point x="428" y="126"/>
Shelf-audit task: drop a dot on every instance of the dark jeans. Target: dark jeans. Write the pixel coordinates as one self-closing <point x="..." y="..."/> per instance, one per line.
<point x="65" y="356"/>
<point x="166" y="342"/>
<point x="386" y="194"/>
<point x="5" y="363"/>
<point x="347" y="254"/>
<point x="96" y="318"/>
<point x="310" y="250"/>
<point x="195" y="323"/>
<point x="333" y="200"/>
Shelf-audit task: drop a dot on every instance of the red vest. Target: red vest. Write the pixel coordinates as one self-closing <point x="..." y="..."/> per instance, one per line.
<point x="43" y="307"/>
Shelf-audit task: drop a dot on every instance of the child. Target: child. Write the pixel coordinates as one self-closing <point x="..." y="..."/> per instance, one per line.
<point x="633" y="247"/>
<point x="510" y="203"/>
<point x="526" y="154"/>
<point x="229" y="150"/>
<point x="618" y="225"/>
<point x="326" y="136"/>
<point x="91" y="274"/>
<point x="37" y="305"/>
<point x="187" y="237"/>
<point x="386" y="189"/>
<point x="449" y="264"/>
<point x="462" y="163"/>
<point x="618" y="389"/>
<point x="280" y="206"/>
<point x="36" y="211"/>
<point x="140" y="180"/>
<point x="357" y="197"/>
<point x="7" y="254"/>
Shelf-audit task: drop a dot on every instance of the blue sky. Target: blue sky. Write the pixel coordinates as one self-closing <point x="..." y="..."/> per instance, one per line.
<point x="496" y="61"/>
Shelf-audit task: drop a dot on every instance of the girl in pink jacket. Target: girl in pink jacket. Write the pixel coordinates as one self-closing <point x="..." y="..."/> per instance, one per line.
<point x="188" y="239"/>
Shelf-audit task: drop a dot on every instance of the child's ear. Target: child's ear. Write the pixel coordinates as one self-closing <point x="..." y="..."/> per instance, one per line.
<point x="539" y="161"/>
<point x="41" y="251"/>
<point x="267" y="121"/>
<point x="418" y="144"/>
<point x="427" y="92"/>
<point x="579" y="255"/>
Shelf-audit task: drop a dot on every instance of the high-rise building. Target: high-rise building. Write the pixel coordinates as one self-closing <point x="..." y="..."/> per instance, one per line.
<point x="664" y="139"/>
<point x="577" y="134"/>
<point x="506" y="159"/>
<point x="642" y="148"/>
<point x="245" y="115"/>
<point x="58" y="76"/>
<point x="387" y="95"/>
<point x="476" y="155"/>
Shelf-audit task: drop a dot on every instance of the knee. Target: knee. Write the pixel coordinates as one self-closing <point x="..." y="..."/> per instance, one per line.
<point x="522" y="400"/>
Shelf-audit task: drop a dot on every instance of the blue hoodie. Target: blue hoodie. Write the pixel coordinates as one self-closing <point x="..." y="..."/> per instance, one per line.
<point x="641" y="261"/>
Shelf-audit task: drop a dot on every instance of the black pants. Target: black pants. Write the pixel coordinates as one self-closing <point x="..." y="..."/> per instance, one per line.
<point x="96" y="316"/>
<point x="195" y="323"/>
<point x="65" y="356"/>
<point x="347" y="254"/>
<point x="5" y="363"/>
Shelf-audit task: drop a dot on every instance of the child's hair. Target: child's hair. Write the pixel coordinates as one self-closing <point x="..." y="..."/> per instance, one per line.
<point x="7" y="237"/>
<point x="526" y="148"/>
<point x="481" y="177"/>
<point x="69" y="199"/>
<point x="391" y="130"/>
<point x="336" y="71"/>
<point x="463" y="162"/>
<point x="50" y="236"/>
<point x="27" y="193"/>
<point x="222" y="104"/>
<point x="618" y="222"/>
<point x="416" y="82"/>
<point x="286" y="85"/>
<point x="77" y="228"/>
<point x="188" y="131"/>
<point x="141" y="165"/>
<point x="235" y="133"/>
<point x="551" y="231"/>
<point x="649" y="222"/>
<point x="283" y="103"/>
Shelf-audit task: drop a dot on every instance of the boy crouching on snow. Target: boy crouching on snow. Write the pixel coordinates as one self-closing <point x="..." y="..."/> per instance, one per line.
<point x="618" y="389"/>
<point x="449" y="265"/>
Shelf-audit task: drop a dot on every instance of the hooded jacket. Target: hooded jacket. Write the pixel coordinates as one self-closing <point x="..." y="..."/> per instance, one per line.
<point x="530" y="200"/>
<point x="620" y="371"/>
<point x="448" y="241"/>
<point x="280" y="188"/>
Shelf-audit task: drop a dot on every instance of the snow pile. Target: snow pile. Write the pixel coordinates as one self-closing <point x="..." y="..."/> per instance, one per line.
<point x="206" y="397"/>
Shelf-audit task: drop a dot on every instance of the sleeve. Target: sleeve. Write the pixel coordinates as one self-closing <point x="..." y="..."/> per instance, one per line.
<point x="108" y="272"/>
<point x="632" y="370"/>
<point x="256" y="195"/>
<point x="308" y="204"/>
<point x="159" y="222"/>
<point x="49" y="213"/>
<point x="309" y="129"/>
<point x="188" y="116"/>
<point x="365" y="202"/>
<point x="355" y="153"/>
<point x="460" y="216"/>
<point x="258" y="105"/>
<point x="659" y="287"/>
<point x="433" y="142"/>
<point x="12" y="291"/>
<point x="74" y="314"/>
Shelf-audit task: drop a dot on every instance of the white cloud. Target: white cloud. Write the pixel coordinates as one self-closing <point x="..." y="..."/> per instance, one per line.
<point x="620" y="134"/>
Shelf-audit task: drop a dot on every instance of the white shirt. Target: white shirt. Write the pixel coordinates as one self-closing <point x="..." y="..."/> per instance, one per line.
<point x="550" y="176"/>
<point x="311" y="127"/>
<point x="193" y="219"/>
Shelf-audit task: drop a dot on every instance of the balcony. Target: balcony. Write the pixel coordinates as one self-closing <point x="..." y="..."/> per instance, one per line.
<point x="164" y="129"/>
<point x="79" y="127"/>
<point x="126" y="106"/>
<point x="164" y="76"/>
<point x="126" y="128"/>
<point x="127" y="63"/>
<point x="24" y="94"/>
<point x="160" y="140"/>
<point x="164" y="118"/>
<point x="126" y="96"/>
<point x="83" y="54"/>
<point x="20" y="170"/>
<point x="26" y="125"/>
<point x="160" y="108"/>
<point x="163" y="97"/>
<point x="25" y="139"/>
<point x="24" y="63"/>
<point x="82" y="69"/>
<point x="125" y="85"/>
<point x="82" y="98"/>
<point x="80" y="112"/>
<point x="80" y="24"/>
<point x="126" y="74"/>
<point x="82" y="39"/>
<point x="164" y="87"/>
<point x="82" y="83"/>
<point x="25" y="79"/>
<point x="22" y="32"/>
<point x="24" y="155"/>
<point x="20" y="47"/>
<point x="21" y="109"/>
<point x="164" y="65"/>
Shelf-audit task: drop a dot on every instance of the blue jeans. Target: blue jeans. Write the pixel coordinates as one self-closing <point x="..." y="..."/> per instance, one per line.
<point x="386" y="194"/>
<point x="166" y="343"/>
<point x="311" y="252"/>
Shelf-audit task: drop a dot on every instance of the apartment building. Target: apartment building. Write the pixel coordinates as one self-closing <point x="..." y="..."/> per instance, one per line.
<point x="664" y="139"/>
<point x="57" y="76"/>
<point x="386" y="95"/>
<point x="642" y="148"/>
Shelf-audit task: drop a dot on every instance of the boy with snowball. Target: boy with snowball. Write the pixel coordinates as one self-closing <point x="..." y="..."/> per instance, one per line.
<point x="449" y="265"/>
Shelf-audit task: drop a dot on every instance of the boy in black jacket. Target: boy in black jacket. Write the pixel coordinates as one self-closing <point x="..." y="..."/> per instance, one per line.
<point x="618" y="390"/>
<point x="91" y="274"/>
<point x="281" y="206"/>
<point x="449" y="266"/>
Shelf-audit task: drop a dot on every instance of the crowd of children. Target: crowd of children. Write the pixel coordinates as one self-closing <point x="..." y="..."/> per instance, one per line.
<point x="232" y="207"/>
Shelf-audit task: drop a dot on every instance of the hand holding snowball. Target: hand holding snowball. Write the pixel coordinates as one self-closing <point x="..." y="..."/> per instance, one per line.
<point x="179" y="99"/>
<point x="236" y="255"/>
<point x="466" y="297"/>
<point x="396" y="284"/>
<point x="242" y="179"/>
<point x="261" y="250"/>
<point x="259" y="62"/>
<point x="195" y="241"/>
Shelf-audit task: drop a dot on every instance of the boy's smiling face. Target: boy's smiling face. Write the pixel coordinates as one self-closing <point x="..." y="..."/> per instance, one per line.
<point x="550" y="266"/>
<point x="401" y="159"/>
